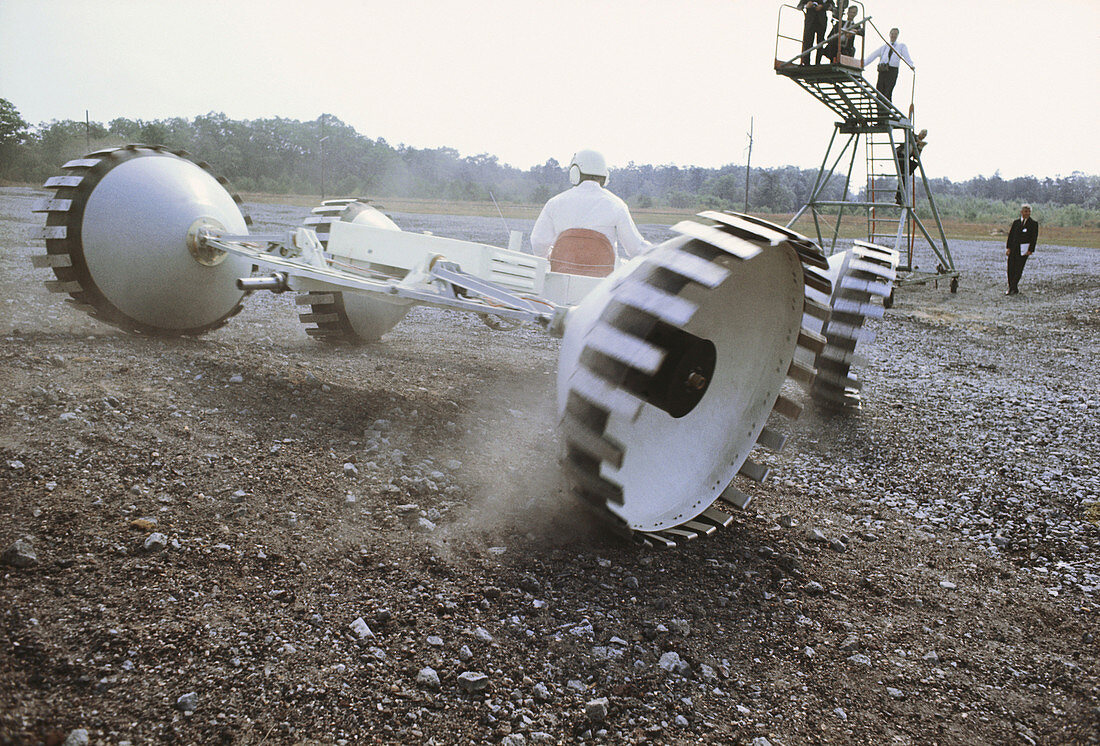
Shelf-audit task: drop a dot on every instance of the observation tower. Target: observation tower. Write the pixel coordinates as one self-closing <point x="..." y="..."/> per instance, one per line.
<point x="893" y="200"/>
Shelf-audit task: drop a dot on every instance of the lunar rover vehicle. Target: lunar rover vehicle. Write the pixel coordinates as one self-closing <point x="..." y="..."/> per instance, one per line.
<point x="669" y="369"/>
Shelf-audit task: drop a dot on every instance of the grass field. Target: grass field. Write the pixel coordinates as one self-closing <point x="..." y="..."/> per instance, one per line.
<point x="853" y="226"/>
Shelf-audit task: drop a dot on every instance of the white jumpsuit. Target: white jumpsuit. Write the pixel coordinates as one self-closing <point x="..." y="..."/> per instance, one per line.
<point x="588" y="205"/>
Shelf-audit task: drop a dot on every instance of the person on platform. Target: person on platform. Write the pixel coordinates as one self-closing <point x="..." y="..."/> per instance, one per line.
<point x="814" y="26"/>
<point x="1024" y="232"/>
<point x="890" y="56"/>
<point x="841" y="37"/>
<point x="586" y="214"/>
<point x="832" y="44"/>
<point x="849" y="30"/>
<point x="905" y="174"/>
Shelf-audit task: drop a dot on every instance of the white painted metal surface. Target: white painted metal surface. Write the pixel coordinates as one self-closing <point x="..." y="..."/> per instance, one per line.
<point x="134" y="237"/>
<point x="674" y="468"/>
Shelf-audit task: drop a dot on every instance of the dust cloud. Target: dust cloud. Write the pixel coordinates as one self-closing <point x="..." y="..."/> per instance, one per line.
<point x="511" y="455"/>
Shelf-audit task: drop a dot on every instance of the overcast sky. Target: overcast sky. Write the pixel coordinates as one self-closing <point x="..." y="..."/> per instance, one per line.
<point x="1001" y="84"/>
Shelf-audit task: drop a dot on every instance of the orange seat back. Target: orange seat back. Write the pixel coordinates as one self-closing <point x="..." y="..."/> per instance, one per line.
<point x="579" y="251"/>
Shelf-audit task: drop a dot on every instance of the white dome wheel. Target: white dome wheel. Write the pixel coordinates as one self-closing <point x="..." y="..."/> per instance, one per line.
<point x="120" y="238"/>
<point x="347" y="318"/>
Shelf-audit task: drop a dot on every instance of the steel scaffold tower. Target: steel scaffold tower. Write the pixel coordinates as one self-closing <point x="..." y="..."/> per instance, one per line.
<point x="890" y="195"/>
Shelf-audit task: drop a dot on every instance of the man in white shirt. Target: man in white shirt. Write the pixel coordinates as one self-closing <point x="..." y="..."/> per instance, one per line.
<point x="589" y="206"/>
<point x="890" y="56"/>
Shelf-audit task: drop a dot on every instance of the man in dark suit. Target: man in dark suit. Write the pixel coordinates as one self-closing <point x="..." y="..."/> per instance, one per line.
<point x="815" y="26"/>
<point x="1024" y="232"/>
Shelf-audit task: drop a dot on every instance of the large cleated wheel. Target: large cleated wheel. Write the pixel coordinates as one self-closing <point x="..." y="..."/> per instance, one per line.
<point x="670" y="370"/>
<point x="862" y="278"/>
<point x="347" y="318"/>
<point x="120" y="236"/>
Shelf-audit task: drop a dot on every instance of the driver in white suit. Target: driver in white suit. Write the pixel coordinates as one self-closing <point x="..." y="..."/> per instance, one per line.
<point x="588" y="206"/>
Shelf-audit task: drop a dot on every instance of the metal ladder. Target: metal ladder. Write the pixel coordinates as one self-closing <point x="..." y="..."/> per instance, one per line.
<point x="888" y="224"/>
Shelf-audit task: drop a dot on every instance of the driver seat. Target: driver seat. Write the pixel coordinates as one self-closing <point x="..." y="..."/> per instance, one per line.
<point x="579" y="251"/>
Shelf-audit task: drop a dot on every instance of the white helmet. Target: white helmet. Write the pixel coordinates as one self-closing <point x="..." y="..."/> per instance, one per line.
<point x="587" y="163"/>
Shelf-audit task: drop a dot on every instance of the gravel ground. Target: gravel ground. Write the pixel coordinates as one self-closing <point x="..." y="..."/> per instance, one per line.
<point x="253" y="538"/>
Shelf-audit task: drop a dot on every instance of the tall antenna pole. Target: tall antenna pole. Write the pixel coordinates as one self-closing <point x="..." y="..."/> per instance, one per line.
<point x="748" y="167"/>
<point x="87" y="131"/>
<point x="507" y="229"/>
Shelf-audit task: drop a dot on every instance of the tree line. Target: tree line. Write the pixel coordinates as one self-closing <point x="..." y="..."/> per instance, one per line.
<point x="326" y="155"/>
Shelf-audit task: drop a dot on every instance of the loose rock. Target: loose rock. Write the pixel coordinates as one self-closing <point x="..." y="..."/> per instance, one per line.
<point x="20" y="554"/>
<point x="473" y="681"/>
<point x="596" y="709"/>
<point x="187" y="702"/>
<point x="428" y="678"/>
<point x="78" y="737"/>
<point x="672" y="663"/>
<point x="360" y="628"/>
<point x="155" y="542"/>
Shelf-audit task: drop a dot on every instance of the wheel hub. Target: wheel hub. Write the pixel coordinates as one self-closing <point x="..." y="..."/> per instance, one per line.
<point x="204" y="254"/>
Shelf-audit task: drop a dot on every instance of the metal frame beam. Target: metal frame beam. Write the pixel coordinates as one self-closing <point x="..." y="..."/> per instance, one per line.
<point x="849" y="94"/>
